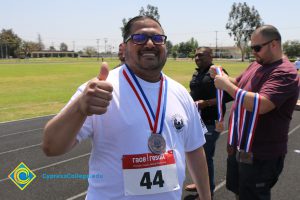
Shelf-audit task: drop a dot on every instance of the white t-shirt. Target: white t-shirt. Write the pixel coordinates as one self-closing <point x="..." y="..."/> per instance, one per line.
<point x="124" y="130"/>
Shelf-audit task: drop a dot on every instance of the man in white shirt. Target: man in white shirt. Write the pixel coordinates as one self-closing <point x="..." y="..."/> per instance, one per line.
<point x="144" y="126"/>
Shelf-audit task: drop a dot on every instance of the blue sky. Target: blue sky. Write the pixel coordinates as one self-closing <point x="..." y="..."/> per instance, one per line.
<point x="80" y="23"/>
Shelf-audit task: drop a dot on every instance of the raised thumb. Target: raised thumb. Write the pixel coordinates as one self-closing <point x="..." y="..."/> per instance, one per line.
<point x="103" y="72"/>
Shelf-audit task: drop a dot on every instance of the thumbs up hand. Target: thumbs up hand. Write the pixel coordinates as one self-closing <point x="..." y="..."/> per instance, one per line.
<point x="104" y="71"/>
<point x="97" y="94"/>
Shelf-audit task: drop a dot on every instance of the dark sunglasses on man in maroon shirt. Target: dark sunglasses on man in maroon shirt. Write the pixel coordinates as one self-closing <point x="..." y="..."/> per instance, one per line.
<point x="258" y="47"/>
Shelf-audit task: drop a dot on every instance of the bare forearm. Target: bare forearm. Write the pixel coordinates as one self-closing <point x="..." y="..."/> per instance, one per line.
<point x="232" y="80"/>
<point x="196" y="162"/>
<point x="60" y="132"/>
<point x="265" y="104"/>
<point x="206" y="103"/>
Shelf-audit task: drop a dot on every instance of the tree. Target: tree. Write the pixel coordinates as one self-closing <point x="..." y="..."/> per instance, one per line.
<point x="291" y="48"/>
<point x="187" y="49"/>
<point x="242" y="21"/>
<point x="169" y="47"/>
<point x="63" y="47"/>
<point x="151" y="11"/>
<point x="9" y="43"/>
<point x="175" y="51"/>
<point x="90" y="51"/>
<point x="40" y="43"/>
<point x="52" y="48"/>
<point x="26" y="48"/>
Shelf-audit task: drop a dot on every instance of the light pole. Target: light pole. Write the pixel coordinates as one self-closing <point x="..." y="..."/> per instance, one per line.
<point x="216" y="43"/>
<point x="73" y="48"/>
<point x="98" y="49"/>
<point x="105" y="41"/>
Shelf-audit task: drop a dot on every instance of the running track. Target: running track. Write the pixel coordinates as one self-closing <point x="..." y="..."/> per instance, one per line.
<point x="20" y="141"/>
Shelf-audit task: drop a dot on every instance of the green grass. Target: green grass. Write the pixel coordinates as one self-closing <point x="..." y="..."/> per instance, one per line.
<point x="43" y="86"/>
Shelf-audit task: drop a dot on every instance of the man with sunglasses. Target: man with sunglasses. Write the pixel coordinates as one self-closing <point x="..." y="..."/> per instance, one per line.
<point x="203" y="92"/>
<point x="265" y="96"/>
<point x="144" y="126"/>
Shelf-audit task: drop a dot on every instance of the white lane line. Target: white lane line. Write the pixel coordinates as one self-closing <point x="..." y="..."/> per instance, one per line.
<point x="21" y="132"/>
<point x="294" y="129"/>
<point x="27" y="119"/>
<point x="60" y="162"/>
<point x="77" y="196"/>
<point x="53" y="164"/>
<point x="26" y="106"/>
<point x="220" y="185"/>
<point x="224" y="132"/>
<point x="297" y="151"/>
<point x="22" y="148"/>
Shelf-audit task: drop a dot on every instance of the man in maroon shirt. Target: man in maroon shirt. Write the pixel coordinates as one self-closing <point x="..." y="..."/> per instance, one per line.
<point x="254" y="169"/>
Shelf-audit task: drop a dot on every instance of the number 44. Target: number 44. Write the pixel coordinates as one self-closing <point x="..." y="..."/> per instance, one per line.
<point x="158" y="180"/>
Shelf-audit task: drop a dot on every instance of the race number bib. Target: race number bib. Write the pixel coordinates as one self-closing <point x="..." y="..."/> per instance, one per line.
<point x="149" y="173"/>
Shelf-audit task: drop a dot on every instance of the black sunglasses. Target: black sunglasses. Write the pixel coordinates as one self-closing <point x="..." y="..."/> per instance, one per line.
<point x="143" y="39"/>
<point x="258" y="47"/>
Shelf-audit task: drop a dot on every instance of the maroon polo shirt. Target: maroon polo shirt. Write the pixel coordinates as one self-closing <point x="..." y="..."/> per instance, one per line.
<point x="279" y="82"/>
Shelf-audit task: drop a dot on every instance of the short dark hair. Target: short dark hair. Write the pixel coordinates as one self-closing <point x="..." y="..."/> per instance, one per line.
<point x="269" y="32"/>
<point x="204" y="49"/>
<point x="128" y="26"/>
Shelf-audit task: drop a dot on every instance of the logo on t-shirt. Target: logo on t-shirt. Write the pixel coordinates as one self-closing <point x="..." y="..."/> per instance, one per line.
<point x="177" y="121"/>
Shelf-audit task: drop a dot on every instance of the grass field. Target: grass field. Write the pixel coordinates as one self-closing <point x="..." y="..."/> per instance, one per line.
<point x="30" y="88"/>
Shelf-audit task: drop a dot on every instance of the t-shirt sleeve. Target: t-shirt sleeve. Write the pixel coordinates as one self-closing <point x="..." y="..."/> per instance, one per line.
<point x="279" y="87"/>
<point x="196" y="129"/>
<point x="86" y="130"/>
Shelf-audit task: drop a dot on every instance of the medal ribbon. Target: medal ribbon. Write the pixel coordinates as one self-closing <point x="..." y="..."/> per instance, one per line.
<point x="219" y="97"/>
<point x="237" y="123"/>
<point x="230" y="130"/>
<point x="241" y="117"/>
<point x="156" y="120"/>
<point x="233" y="119"/>
<point x="253" y="122"/>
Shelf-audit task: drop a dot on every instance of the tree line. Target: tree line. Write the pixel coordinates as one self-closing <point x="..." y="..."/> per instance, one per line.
<point x="242" y="21"/>
<point x="12" y="46"/>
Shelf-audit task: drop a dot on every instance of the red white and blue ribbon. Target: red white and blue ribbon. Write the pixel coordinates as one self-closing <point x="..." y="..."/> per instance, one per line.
<point x="241" y="117"/>
<point x="219" y="96"/>
<point x="156" y="120"/>
<point x="253" y="123"/>
<point x="232" y="127"/>
<point x="230" y="130"/>
<point x="237" y="121"/>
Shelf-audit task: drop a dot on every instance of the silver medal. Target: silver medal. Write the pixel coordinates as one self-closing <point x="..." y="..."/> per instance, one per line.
<point x="157" y="143"/>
